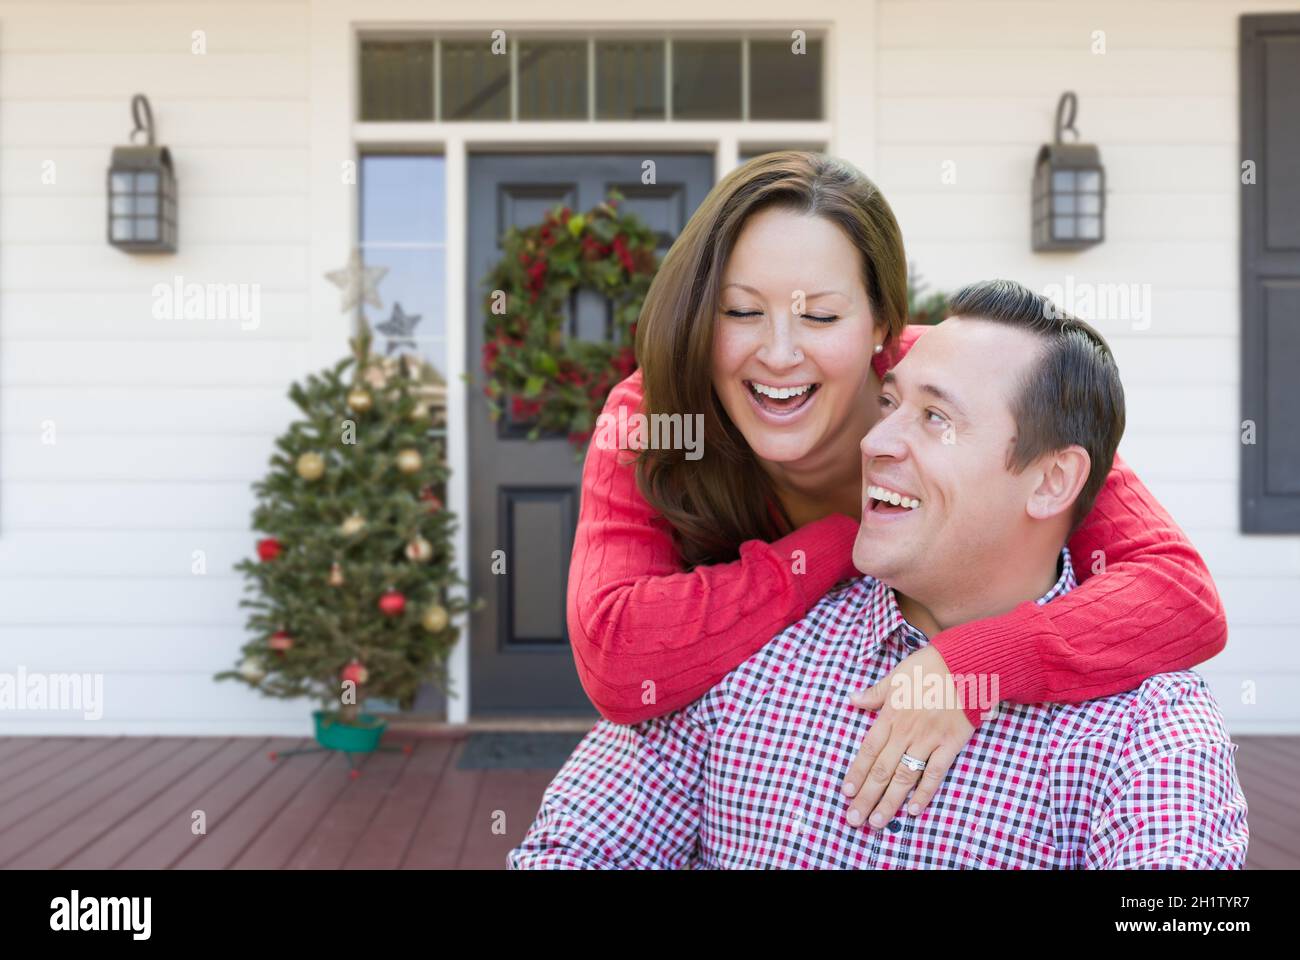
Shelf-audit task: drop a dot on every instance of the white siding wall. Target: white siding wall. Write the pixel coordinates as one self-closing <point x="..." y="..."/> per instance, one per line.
<point x="160" y="425"/>
<point x="976" y="83"/>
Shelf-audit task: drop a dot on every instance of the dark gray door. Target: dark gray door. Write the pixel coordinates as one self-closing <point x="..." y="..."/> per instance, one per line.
<point x="524" y="494"/>
<point x="1270" y="272"/>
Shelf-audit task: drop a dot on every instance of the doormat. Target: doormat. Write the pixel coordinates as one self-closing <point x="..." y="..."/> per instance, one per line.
<point x="518" y="751"/>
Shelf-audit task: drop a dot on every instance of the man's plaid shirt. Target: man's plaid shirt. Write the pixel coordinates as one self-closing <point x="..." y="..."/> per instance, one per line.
<point x="750" y="775"/>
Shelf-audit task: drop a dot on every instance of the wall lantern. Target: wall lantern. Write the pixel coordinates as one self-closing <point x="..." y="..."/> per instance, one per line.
<point x="142" y="190"/>
<point x="1069" y="210"/>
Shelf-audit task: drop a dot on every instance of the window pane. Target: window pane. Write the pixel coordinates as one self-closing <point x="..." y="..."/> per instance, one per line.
<point x="784" y="85"/>
<point x="415" y="281"/>
<point x="553" y="80"/>
<point x="475" y="81"/>
<point x="402" y="228"/>
<point x="397" y="80"/>
<point x="706" y="79"/>
<point x="630" y="80"/>
<point x="415" y="285"/>
<point x="402" y="199"/>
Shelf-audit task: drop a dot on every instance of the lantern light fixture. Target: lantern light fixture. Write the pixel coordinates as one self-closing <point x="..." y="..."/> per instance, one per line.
<point x="142" y="190"/>
<point x="1069" y="200"/>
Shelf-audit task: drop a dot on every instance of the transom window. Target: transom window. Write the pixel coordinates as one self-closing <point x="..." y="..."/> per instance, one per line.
<point x="546" y="76"/>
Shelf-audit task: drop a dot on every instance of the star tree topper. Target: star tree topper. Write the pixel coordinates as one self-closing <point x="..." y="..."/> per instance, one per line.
<point x="358" y="282"/>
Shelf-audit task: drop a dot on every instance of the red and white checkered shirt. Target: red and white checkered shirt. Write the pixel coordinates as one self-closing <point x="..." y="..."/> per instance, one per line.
<point x="750" y="775"/>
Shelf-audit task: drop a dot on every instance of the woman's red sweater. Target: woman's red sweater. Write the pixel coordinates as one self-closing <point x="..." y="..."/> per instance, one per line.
<point x="635" y="615"/>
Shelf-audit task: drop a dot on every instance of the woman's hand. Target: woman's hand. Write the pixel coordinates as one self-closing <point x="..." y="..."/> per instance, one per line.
<point x="877" y="781"/>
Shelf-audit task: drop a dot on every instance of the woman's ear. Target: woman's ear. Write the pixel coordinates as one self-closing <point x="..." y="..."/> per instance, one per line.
<point x="1063" y="474"/>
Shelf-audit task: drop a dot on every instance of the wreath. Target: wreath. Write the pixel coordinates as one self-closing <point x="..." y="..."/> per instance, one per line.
<point x="557" y="383"/>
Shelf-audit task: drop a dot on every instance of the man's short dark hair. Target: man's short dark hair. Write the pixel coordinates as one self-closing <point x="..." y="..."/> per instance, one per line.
<point x="1072" y="395"/>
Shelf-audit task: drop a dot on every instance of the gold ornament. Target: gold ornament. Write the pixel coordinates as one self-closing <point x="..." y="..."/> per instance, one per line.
<point x="421" y="413"/>
<point x="435" y="619"/>
<point x="419" y="550"/>
<point x="408" y="461"/>
<point x="353" y="525"/>
<point x="336" y="575"/>
<point x="359" y="400"/>
<point x="311" y="466"/>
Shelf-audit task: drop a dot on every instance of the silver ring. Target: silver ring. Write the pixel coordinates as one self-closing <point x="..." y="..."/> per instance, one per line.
<point x="912" y="763"/>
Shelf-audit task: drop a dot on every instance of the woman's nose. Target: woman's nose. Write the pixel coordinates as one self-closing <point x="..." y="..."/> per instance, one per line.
<point x="780" y="349"/>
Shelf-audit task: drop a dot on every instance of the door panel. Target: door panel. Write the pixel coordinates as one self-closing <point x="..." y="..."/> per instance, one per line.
<point x="524" y="494"/>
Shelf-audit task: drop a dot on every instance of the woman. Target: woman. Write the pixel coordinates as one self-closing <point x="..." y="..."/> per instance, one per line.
<point x="774" y="315"/>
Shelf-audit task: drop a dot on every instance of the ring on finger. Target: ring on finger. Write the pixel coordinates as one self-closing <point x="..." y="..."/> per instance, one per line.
<point x="912" y="763"/>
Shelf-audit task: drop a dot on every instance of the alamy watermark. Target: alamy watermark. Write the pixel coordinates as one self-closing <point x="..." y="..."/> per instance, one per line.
<point x="1094" y="302"/>
<point x="658" y="431"/>
<point x="53" y="691"/>
<point x="179" y="300"/>
<point x="915" y="690"/>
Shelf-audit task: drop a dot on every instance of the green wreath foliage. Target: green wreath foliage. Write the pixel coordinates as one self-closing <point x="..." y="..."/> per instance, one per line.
<point x="535" y="371"/>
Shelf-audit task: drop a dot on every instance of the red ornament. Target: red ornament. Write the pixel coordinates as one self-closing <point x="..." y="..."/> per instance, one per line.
<point x="432" y="499"/>
<point x="392" y="603"/>
<point x="355" y="672"/>
<point x="269" y="549"/>
<point x="280" y="642"/>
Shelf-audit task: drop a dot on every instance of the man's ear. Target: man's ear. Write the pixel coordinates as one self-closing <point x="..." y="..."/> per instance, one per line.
<point x="1062" y="476"/>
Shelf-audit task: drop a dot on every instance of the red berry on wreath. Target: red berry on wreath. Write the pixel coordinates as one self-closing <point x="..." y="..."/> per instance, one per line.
<point x="269" y="549"/>
<point x="392" y="603"/>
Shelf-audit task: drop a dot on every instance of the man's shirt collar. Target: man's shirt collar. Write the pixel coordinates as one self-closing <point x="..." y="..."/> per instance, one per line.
<point x="886" y="625"/>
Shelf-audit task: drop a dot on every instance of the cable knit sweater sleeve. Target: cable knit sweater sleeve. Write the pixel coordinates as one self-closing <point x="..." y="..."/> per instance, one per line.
<point x="649" y="638"/>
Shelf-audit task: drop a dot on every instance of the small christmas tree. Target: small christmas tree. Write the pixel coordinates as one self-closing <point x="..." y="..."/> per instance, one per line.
<point x="352" y="585"/>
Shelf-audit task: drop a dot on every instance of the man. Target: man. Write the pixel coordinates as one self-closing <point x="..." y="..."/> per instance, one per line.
<point x="998" y="429"/>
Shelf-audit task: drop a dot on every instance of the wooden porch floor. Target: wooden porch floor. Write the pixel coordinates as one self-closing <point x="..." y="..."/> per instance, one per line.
<point x="129" y="803"/>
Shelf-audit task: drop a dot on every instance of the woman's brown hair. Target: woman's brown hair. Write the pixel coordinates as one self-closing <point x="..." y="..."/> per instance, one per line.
<point x="716" y="503"/>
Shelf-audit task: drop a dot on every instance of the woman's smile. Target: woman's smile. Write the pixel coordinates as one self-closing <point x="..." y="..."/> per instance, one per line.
<point x="780" y="404"/>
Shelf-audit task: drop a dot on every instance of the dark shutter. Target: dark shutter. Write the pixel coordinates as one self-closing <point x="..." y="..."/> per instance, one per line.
<point x="1270" y="273"/>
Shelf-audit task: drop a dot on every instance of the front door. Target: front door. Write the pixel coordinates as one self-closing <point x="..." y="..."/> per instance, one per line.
<point x="524" y="494"/>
